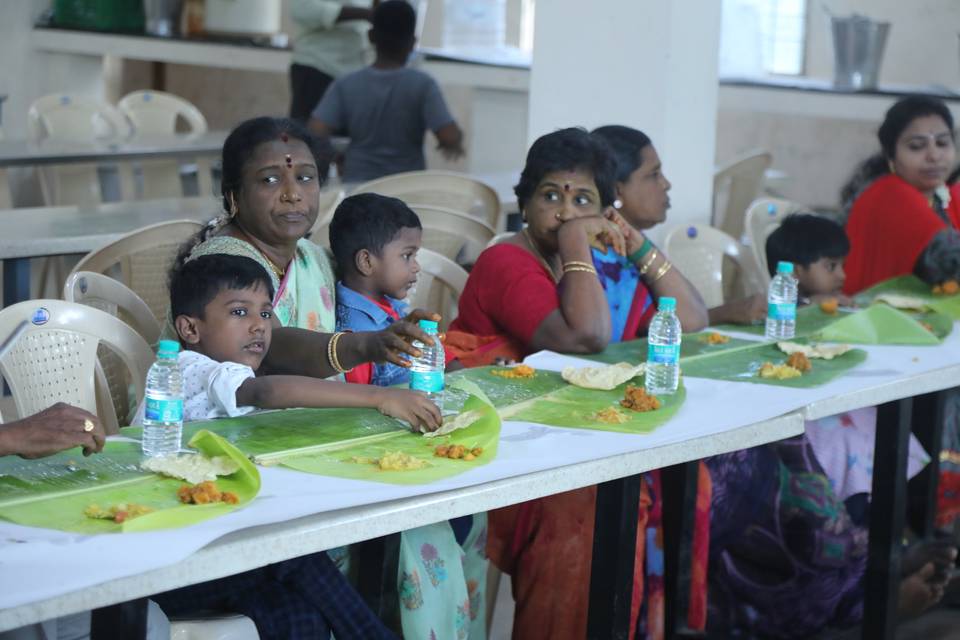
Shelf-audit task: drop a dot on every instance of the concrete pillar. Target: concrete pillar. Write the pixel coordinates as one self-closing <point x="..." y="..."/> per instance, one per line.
<point x="647" y="64"/>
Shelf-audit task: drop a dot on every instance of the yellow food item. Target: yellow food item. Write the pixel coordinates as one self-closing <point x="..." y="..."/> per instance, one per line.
<point x="517" y="372"/>
<point x="400" y="461"/>
<point x="778" y="371"/>
<point x="830" y="307"/>
<point x="118" y="513"/>
<point x="477" y="451"/>
<point x="636" y="398"/>
<point x="206" y="492"/>
<point x="799" y="361"/>
<point x="927" y="326"/>
<point x="457" y="452"/>
<point x="948" y="288"/>
<point x="610" y="415"/>
<point x="453" y="423"/>
<point x="937" y="290"/>
<point x="715" y="338"/>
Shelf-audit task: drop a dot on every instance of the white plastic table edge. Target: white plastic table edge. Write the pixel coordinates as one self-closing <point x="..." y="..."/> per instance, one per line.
<point x="259" y="546"/>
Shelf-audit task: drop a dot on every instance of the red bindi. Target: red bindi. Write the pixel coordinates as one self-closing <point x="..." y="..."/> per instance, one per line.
<point x="566" y="187"/>
<point x="284" y="137"/>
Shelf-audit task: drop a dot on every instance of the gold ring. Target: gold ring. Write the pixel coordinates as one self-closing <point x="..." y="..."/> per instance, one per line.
<point x="88" y="425"/>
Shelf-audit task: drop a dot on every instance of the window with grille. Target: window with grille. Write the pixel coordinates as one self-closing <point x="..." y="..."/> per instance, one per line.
<point x="759" y="37"/>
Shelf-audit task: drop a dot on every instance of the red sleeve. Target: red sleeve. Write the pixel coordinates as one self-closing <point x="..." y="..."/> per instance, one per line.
<point x="508" y="293"/>
<point x="360" y="374"/>
<point x="890" y="225"/>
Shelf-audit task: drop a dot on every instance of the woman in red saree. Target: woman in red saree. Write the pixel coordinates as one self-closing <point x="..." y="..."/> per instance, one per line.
<point x="550" y="287"/>
<point x="904" y="217"/>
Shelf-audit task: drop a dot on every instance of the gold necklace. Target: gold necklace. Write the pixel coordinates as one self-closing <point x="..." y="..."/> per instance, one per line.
<point x="539" y="256"/>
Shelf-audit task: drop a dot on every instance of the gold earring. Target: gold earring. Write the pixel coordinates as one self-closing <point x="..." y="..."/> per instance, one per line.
<point x="892" y="167"/>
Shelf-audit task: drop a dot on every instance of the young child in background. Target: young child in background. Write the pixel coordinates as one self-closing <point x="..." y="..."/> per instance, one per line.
<point x="387" y="108"/>
<point x="842" y="443"/>
<point x="441" y="579"/>
<point x="221" y="309"/>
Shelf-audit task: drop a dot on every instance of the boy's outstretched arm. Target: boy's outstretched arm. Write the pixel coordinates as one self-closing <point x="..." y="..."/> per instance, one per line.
<point x="287" y="392"/>
<point x="450" y="141"/>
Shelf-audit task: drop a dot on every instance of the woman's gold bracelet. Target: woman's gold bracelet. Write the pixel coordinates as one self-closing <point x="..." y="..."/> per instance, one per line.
<point x="649" y="263"/>
<point x="662" y="271"/>
<point x="577" y="263"/>
<point x="567" y="269"/>
<point x="332" y="352"/>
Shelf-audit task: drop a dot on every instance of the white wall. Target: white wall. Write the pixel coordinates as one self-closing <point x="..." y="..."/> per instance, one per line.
<point x="922" y="47"/>
<point x="648" y="64"/>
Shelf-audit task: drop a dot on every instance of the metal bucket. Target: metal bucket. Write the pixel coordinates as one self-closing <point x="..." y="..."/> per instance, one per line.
<point x="858" y="44"/>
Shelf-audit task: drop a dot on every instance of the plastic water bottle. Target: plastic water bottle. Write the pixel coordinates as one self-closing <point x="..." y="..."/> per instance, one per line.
<point x="163" y="410"/>
<point x="426" y="372"/>
<point x="663" y="350"/>
<point x="782" y="304"/>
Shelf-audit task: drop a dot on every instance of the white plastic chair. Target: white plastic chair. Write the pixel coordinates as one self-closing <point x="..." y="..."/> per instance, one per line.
<point x="500" y="237"/>
<point x="55" y="359"/>
<point x="737" y="184"/>
<point x="452" y="233"/>
<point x="763" y="217"/>
<point x="155" y="113"/>
<point x="141" y="260"/>
<point x="61" y="118"/>
<point x="329" y="201"/>
<point x="698" y="252"/>
<point x="111" y="296"/>
<point x="439" y="285"/>
<point x="444" y="189"/>
<point x="224" y="626"/>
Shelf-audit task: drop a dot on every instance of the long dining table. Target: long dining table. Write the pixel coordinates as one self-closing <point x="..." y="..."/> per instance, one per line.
<point x="44" y="574"/>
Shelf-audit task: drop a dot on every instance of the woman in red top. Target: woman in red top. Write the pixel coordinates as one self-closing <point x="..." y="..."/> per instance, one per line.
<point x="904" y="217"/>
<point x="569" y="282"/>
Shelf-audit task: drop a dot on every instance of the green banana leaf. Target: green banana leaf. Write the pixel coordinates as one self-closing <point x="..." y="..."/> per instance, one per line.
<point x="917" y="288"/>
<point x="742" y="365"/>
<point x="635" y="351"/>
<point x="576" y="408"/>
<point x="53" y="492"/>
<point x="810" y="319"/>
<point x="882" y="324"/>
<point x="502" y="392"/>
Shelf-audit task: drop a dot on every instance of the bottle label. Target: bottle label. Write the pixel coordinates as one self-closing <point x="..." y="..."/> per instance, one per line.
<point x="782" y="311"/>
<point x="663" y="353"/>
<point x="164" y="409"/>
<point x="428" y="381"/>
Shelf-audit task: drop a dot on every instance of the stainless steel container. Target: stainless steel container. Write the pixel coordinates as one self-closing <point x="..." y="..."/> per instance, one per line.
<point x="858" y="44"/>
<point x="162" y="17"/>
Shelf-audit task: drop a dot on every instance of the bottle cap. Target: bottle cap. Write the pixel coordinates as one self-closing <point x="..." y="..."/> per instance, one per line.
<point x="429" y="327"/>
<point x="784" y="267"/>
<point x="667" y="303"/>
<point x="168" y="349"/>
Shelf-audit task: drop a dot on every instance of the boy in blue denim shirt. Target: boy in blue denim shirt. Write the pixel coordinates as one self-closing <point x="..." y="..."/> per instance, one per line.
<point x="375" y="240"/>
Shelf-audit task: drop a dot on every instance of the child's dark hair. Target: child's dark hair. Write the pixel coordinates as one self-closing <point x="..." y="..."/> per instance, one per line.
<point x="367" y="221"/>
<point x="394" y="27"/>
<point x="198" y="281"/>
<point x="625" y="144"/>
<point x="237" y="151"/>
<point x="570" y="149"/>
<point x="804" y="238"/>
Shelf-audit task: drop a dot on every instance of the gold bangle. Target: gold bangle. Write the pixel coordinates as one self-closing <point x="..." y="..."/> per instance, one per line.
<point x="577" y="263"/>
<point x="663" y="270"/>
<point x="649" y="263"/>
<point x="567" y="270"/>
<point x="332" y="352"/>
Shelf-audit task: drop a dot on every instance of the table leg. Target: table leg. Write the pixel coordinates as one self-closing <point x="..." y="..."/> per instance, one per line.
<point x="377" y="563"/>
<point x="614" y="544"/>
<point x="124" y="620"/>
<point x="887" y="519"/>
<point x="679" y="490"/>
<point x="16" y="280"/>
<point x="928" y="427"/>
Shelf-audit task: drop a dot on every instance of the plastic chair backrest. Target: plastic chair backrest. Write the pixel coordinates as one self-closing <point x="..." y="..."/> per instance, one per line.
<point x="142" y="260"/>
<point x="329" y="201"/>
<point x="156" y="113"/>
<point x="55" y="359"/>
<point x="698" y="252"/>
<point x="68" y="118"/>
<point x="448" y="232"/>
<point x="111" y="296"/>
<point x="439" y="285"/>
<point x="444" y="189"/>
<point x="500" y="237"/>
<point x="763" y="217"/>
<point x="740" y="183"/>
